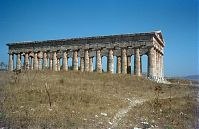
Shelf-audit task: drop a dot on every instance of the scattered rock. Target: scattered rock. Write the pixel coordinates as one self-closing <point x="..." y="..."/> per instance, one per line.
<point x="145" y="125"/>
<point x="103" y="114"/>
<point x="110" y="123"/>
<point x="50" y="109"/>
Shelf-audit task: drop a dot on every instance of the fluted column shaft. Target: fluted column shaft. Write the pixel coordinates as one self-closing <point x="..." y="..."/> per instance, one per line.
<point x="118" y="64"/>
<point x="157" y="64"/>
<point x="140" y="64"/>
<point x="10" y="63"/>
<point x="45" y="60"/>
<point x="124" y="61"/>
<point x="26" y="62"/>
<point x="55" y="61"/>
<point x="40" y="63"/>
<point x="110" y="61"/>
<point x="137" y="62"/>
<point x="51" y="64"/>
<point x="18" y="61"/>
<point x="162" y="66"/>
<point x="35" y="61"/>
<point x="86" y="61"/>
<point x="99" y="61"/>
<point x="65" y="61"/>
<point x="151" y="62"/>
<point x="32" y="63"/>
<point x="90" y="64"/>
<point x="75" y="60"/>
<point x="58" y="64"/>
<point x="82" y="64"/>
<point x="129" y="64"/>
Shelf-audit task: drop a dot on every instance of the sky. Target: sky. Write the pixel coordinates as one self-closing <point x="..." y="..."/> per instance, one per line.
<point x="30" y="20"/>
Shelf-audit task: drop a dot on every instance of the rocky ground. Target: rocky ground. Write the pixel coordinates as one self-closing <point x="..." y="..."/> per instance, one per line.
<point x="89" y="100"/>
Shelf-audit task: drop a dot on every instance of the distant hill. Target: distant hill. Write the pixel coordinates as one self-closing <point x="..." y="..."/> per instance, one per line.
<point x="192" y="77"/>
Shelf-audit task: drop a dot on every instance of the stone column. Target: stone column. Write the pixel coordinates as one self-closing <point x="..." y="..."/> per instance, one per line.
<point x="162" y="66"/>
<point x="118" y="64"/>
<point x="39" y="56"/>
<point x="129" y="64"/>
<point x="137" y="62"/>
<point x="10" y="63"/>
<point x="141" y="64"/>
<point x="65" y="61"/>
<point x="110" y="61"/>
<point x="32" y="63"/>
<point x="51" y="63"/>
<point x="58" y="64"/>
<point x="58" y="60"/>
<point x="157" y="64"/>
<point x="82" y="64"/>
<point x="86" y="61"/>
<point x="124" y="61"/>
<point x="35" y="61"/>
<point x="151" y="62"/>
<point x="54" y="61"/>
<point x="99" y="61"/>
<point x="26" y="62"/>
<point x="18" y="61"/>
<point x="40" y="63"/>
<point x="90" y="64"/>
<point x="75" y="60"/>
<point x="45" y="60"/>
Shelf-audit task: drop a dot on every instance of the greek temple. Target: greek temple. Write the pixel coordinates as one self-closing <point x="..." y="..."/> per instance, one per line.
<point x="54" y="54"/>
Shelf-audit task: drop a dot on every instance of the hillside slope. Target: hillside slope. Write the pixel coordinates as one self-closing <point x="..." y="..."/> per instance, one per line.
<point x="90" y="100"/>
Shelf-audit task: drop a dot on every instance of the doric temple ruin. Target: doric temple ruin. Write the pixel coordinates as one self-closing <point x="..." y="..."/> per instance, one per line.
<point x="54" y="54"/>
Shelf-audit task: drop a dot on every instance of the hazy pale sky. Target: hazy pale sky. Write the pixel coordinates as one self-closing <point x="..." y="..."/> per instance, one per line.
<point x="29" y="20"/>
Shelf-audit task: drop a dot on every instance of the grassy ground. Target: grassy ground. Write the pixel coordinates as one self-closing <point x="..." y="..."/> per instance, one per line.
<point x="90" y="100"/>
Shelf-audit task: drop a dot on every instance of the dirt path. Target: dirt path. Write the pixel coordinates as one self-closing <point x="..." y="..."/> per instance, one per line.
<point x="138" y="101"/>
<point x="122" y="112"/>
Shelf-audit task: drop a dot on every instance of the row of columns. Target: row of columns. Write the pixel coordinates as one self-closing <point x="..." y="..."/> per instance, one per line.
<point x="155" y="62"/>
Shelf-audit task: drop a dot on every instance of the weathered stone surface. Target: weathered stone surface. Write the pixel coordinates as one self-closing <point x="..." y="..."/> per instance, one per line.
<point x="26" y="62"/>
<point x="110" y="61"/>
<point x="82" y="64"/>
<point x="129" y="64"/>
<point x="90" y="64"/>
<point x="18" y="61"/>
<point x="55" y="61"/>
<point x="137" y="62"/>
<point x="10" y="63"/>
<point x="65" y="60"/>
<point x="51" y="64"/>
<point x="99" y="61"/>
<point x="86" y="61"/>
<point x="40" y="55"/>
<point x="118" y="64"/>
<point x="45" y="60"/>
<point x="35" y="61"/>
<point x="124" y="61"/>
<point x="58" y="64"/>
<point x="32" y="63"/>
<point x="151" y="62"/>
<point x="40" y="63"/>
<point x="75" y="60"/>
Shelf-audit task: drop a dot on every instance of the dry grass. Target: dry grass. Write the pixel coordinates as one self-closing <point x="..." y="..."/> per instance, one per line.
<point x="177" y="113"/>
<point x="78" y="99"/>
